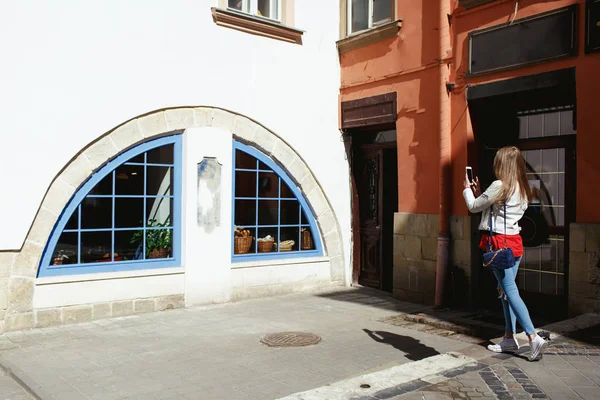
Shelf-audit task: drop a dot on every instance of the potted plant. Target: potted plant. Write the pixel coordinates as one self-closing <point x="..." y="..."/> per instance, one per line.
<point x="60" y="257"/>
<point x="158" y="241"/>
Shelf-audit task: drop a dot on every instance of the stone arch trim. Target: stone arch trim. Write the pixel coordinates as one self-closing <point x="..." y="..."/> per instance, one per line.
<point x="24" y="264"/>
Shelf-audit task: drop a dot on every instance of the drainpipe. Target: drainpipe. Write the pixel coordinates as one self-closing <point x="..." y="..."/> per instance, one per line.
<point x="445" y="188"/>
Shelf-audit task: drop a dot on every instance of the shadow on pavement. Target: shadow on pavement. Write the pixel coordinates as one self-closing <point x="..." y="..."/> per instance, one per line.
<point x="414" y="350"/>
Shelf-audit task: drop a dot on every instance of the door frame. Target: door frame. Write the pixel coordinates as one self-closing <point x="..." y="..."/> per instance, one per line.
<point x="352" y="138"/>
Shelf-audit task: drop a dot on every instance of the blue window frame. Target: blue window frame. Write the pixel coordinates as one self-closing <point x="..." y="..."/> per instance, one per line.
<point x="271" y="218"/>
<point x="126" y="216"/>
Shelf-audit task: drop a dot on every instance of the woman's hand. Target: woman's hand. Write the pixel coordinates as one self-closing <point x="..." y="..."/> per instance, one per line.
<point x="474" y="186"/>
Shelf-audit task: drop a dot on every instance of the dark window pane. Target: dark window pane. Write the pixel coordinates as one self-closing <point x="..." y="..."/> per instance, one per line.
<point x="95" y="247"/>
<point x="307" y="241"/>
<point x="382" y="11"/>
<point x="523" y="127"/>
<point x="268" y="185"/>
<point x="104" y="187"/>
<point x="548" y="261"/>
<point x="158" y="210"/>
<point x="550" y="182"/>
<point x="533" y="258"/>
<point x="128" y="245"/>
<point x="160" y="181"/>
<point x="286" y="192"/>
<point x="566" y="123"/>
<point x="534" y="160"/>
<point x="290" y="212"/>
<point x="65" y="251"/>
<point x="532" y="281"/>
<point x="72" y="223"/>
<point x="534" y="125"/>
<point x="96" y="213"/>
<point x="160" y="155"/>
<point x="137" y="159"/>
<point x="551" y="124"/>
<point x="245" y="184"/>
<point x="159" y="243"/>
<point x="549" y="283"/>
<point x="267" y="212"/>
<point x="549" y="160"/>
<point x="245" y="213"/>
<point x="560" y="181"/>
<point x="244" y="160"/>
<point x="561" y="160"/>
<point x="560" y="288"/>
<point x="289" y="239"/>
<point x="235" y="4"/>
<point x="267" y="8"/>
<point x="129" y="212"/>
<point x="360" y="15"/>
<point x="129" y="180"/>
<point x="304" y="220"/>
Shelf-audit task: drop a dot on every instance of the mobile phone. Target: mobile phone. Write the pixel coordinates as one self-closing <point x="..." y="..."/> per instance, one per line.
<point x="469" y="174"/>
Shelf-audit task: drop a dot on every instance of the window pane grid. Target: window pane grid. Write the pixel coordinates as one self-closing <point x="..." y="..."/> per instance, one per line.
<point x="142" y="229"/>
<point x="261" y="189"/>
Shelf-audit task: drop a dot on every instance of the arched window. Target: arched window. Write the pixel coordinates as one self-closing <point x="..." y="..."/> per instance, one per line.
<point x="125" y="217"/>
<point x="271" y="218"/>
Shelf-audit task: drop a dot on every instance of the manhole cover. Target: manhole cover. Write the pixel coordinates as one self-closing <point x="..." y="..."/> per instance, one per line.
<point x="290" y="339"/>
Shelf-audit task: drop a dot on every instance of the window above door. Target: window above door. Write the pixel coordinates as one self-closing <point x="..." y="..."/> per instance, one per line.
<point x="368" y="14"/>
<point x="260" y="8"/>
<point x="269" y="18"/>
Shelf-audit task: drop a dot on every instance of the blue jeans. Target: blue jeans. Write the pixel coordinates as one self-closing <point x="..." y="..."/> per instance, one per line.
<point x="514" y="307"/>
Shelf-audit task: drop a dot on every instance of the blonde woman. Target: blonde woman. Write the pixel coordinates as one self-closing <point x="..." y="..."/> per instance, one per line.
<point x="512" y="188"/>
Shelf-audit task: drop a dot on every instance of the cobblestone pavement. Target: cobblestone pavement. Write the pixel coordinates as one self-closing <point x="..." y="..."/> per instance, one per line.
<point x="559" y="375"/>
<point x="215" y="352"/>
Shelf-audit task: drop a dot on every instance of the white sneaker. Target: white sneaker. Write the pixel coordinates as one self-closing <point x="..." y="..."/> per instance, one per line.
<point x="504" y="346"/>
<point x="537" y="346"/>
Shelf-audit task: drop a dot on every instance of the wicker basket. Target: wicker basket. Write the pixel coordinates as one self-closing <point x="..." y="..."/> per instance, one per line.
<point x="307" y="241"/>
<point x="241" y="245"/>
<point x="265" y="246"/>
<point x="287" y="245"/>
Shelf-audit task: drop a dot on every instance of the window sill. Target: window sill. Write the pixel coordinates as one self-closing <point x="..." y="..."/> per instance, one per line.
<point x="256" y="25"/>
<point x="101" y="276"/>
<point x="281" y="261"/>
<point x="365" y="38"/>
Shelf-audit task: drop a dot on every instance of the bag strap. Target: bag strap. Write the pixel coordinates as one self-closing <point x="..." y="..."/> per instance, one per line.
<point x="490" y="245"/>
<point x="505" y="224"/>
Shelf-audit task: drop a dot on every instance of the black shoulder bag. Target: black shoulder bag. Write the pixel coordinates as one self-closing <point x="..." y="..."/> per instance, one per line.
<point x="502" y="258"/>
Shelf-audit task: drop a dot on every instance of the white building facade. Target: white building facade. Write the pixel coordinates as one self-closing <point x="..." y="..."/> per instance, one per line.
<point x="165" y="154"/>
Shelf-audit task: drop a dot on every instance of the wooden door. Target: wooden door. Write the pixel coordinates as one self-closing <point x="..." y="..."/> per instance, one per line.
<point x="369" y="182"/>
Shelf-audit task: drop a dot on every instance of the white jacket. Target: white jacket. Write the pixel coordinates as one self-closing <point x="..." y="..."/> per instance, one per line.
<point x="515" y="208"/>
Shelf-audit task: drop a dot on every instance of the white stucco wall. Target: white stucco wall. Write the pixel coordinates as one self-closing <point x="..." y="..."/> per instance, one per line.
<point x="73" y="70"/>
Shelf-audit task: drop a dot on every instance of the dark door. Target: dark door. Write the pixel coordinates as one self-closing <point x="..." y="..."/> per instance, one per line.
<point x="547" y="143"/>
<point x="546" y="139"/>
<point x="376" y="179"/>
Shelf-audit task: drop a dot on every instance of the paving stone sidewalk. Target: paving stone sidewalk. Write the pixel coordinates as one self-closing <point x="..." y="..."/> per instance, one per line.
<point x="10" y="390"/>
<point x="215" y="352"/>
<point x="570" y="369"/>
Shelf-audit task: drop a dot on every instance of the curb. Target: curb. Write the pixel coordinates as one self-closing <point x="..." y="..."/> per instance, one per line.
<point x="391" y="382"/>
<point x="21" y="379"/>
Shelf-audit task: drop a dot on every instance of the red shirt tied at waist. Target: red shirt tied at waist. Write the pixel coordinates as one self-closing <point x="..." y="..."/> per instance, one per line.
<point x="514" y="242"/>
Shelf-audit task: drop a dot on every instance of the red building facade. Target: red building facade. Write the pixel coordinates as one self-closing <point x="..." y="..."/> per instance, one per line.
<point x="439" y="85"/>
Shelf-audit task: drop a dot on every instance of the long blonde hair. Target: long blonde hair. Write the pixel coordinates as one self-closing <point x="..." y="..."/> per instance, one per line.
<point x="510" y="168"/>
